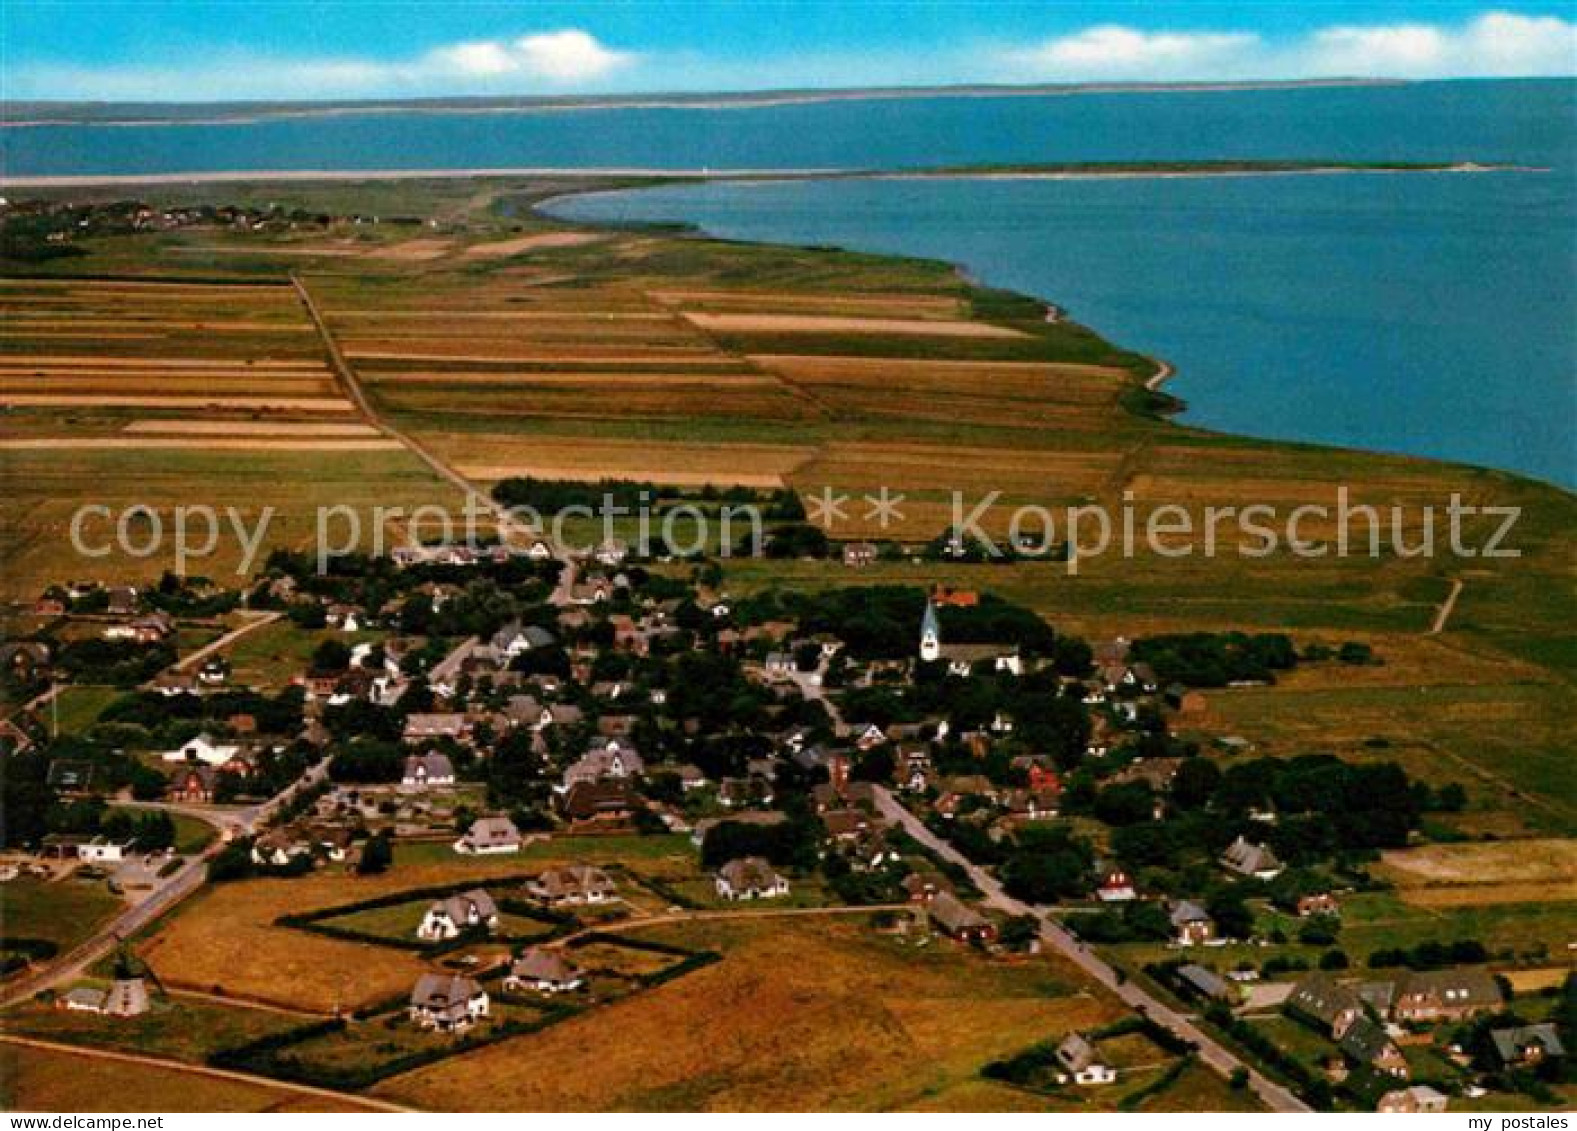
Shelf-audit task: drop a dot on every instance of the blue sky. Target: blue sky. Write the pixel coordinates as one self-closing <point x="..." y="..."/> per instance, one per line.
<point x="199" y="50"/>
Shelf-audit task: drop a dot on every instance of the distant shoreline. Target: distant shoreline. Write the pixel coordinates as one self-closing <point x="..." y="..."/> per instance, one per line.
<point x="247" y="113"/>
<point x="1117" y="171"/>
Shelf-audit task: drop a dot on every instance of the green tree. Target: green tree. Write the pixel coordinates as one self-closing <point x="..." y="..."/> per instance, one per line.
<point x="377" y="855"/>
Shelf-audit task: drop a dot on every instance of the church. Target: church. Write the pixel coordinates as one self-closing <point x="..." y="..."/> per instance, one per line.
<point x="962" y="658"/>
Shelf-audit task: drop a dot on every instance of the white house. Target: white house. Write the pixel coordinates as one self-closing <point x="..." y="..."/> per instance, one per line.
<point x="1246" y="858"/>
<point x="447" y="1002"/>
<point x="427" y="771"/>
<point x="489" y="836"/>
<point x="446" y="918"/>
<point x="514" y="639"/>
<point x="103" y="850"/>
<point x="203" y="749"/>
<point x="1081" y="1063"/>
<point x="546" y="971"/>
<point x="750" y="878"/>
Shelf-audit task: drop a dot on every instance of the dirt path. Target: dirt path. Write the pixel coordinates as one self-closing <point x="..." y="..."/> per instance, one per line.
<point x="203" y="1070"/>
<point x="249" y="1003"/>
<point x="258" y="620"/>
<point x="745" y="913"/>
<point x="1447" y="607"/>
<point x="346" y="377"/>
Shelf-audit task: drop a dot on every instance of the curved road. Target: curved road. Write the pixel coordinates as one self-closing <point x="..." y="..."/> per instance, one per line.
<point x="1212" y="1053"/>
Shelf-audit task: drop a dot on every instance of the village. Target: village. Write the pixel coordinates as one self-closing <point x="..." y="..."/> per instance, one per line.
<point x="940" y="757"/>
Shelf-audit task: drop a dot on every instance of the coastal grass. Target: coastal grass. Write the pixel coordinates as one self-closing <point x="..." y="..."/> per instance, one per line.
<point x="798" y="1015"/>
<point x="180" y="1028"/>
<point x="34" y="1079"/>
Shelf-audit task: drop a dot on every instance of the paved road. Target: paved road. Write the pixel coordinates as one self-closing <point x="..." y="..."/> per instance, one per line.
<point x="449" y="666"/>
<point x="813" y="691"/>
<point x="75" y="962"/>
<point x="204" y="1070"/>
<point x="1276" y="1097"/>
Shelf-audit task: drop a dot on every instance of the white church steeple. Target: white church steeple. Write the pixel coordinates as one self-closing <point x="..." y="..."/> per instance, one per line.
<point x="930" y="635"/>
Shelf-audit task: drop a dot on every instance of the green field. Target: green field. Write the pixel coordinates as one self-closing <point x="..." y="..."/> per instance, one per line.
<point x="77" y="708"/>
<point x="64" y="912"/>
<point x="182" y="1028"/>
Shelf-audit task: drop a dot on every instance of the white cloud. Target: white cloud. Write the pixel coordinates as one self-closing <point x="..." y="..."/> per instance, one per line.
<point x="486" y="59"/>
<point x="545" y="62"/>
<point x="1492" y="44"/>
<point x="559" y="57"/>
<point x="1496" y="43"/>
<point x="568" y="56"/>
<point x="1113" y="51"/>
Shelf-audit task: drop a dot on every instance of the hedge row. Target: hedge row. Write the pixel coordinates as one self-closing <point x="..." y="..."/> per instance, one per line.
<point x="680" y="969"/>
<point x="316" y="921"/>
<point x="1160" y="1084"/>
<point x="647" y="945"/>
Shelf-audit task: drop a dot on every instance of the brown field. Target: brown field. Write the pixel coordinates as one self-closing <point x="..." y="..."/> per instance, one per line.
<point x="1548" y="861"/>
<point x="647" y="472"/>
<point x="542" y="242"/>
<point x="167" y="401"/>
<point x="204" y="444"/>
<point x="50" y="1080"/>
<point x="22" y="327"/>
<point x="226" y="936"/>
<point x="680" y="400"/>
<point x="1490" y="894"/>
<point x="225" y="941"/>
<point x="834" y="302"/>
<point x="94" y="336"/>
<point x="576" y="458"/>
<point x="1532" y="981"/>
<point x="537" y="332"/>
<point x="35" y="362"/>
<point x="465" y="350"/>
<point x="798" y="1016"/>
<point x="411" y="251"/>
<point x="185" y="384"/>
<point x="301" y="249"/>
<point x="301" y="428"/>
<point x="46" y="488"/>
<point x="834" y="324"/>
<point x="592" y="379"/>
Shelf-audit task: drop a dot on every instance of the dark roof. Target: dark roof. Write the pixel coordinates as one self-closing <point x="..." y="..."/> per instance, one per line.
<point x="954" y="915"/>
<point x="1473" y="987"/>
<point x="610" y="796"/>
<point x="70" y="773"/>
<point x="1365" y="1041"/>
<point x="1321" y="998"/>
<point x="1510" y="1043"/>
<point x="1205" y="981"/>
<point x="540" y="965"/>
